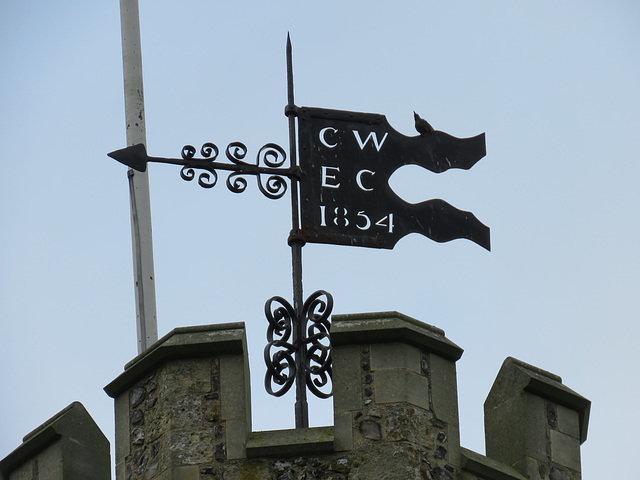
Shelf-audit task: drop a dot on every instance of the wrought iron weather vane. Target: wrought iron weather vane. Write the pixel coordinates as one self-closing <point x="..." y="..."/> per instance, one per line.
<point x="339" y="195"/>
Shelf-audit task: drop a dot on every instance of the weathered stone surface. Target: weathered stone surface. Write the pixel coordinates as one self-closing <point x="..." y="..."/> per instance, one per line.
<point x="527" y="414"/>
<point x="370" y="429"/>
<point x="137" y="455"/>
<point x="568" y="421"/>
<point x="300" y="441"/>
<point x="395" y="356"/>
<point x="137" y="396"/>
<point x="137" y="436"/>
<point x="183" y="413"/>
<point x="405" y="422"/>
<point x="150" y="401"/>
<point x="346" y="377"/>
<point x="221" y="452"/>
<point x="565" y="450"/>
<point x="444" y="390"/>
<point x="394" y="386"/>
<point x="395" y="415"/>
<point x="386" y="327"/>
<point x="137" y="417"/>
<point x="68" y="446"/>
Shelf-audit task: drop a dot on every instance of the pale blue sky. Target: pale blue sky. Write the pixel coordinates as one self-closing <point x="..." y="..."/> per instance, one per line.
<point x="554" y="85"/>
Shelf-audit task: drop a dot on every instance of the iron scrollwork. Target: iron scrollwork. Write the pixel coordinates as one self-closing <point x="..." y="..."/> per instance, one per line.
<point x="281" y="365"/>
<point x="205" y="180"/>
<point x="269" y="161"/>
<point x="315" y="314"/>
<point x="315" y="348"/>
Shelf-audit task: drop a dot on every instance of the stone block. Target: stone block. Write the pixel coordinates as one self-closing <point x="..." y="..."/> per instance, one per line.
<point x="123" y="427"/>
<point x="394" y="386"/>
<point x="236" y="438"/>
<point x="295" y="442"/>
<point x="343" y="431"/>
<point x="444" y="389"/>
<point x="395" y="355"/>
<point x="516" y="428"/>
<point x="235" y="394"/>
<point x="347" y="393"/>
<point x="565" y="450"/>
<point x="187" y="472"/>
<point x="121" y="469"/>
<point x="568" y="421"/>
<point x="69" y="446"/>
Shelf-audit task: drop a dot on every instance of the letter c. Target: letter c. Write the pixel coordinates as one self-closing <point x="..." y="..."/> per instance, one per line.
<point x="323" y="140"/>
<point x="359" y="179"/>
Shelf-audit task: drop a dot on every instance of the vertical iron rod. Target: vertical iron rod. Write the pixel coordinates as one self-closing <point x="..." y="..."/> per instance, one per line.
<point x="147" y="326"/>
<point x="296" y="243"/>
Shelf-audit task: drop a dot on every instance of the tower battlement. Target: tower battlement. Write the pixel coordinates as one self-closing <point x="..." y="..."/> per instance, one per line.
<point x="183" y="411"/>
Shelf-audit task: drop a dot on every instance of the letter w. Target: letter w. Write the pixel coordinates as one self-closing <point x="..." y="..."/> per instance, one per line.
<point x="373" y="137"/>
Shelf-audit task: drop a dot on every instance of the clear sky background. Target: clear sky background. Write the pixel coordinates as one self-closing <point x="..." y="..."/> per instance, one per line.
<point x="553" y="84"/>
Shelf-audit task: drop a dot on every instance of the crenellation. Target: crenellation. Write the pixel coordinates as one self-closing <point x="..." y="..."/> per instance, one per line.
<point x="183" y="411"/>
<point x="68" y="446"/>
<point x="534" y="423"/>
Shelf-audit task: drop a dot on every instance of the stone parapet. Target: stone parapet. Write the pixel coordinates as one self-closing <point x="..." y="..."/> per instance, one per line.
<point x="534" y="423"/>
<point x="183" y="403"/>
<point x="68" y="446"/>
<point x="395" y="384"/>
<point x="183" y="412"/>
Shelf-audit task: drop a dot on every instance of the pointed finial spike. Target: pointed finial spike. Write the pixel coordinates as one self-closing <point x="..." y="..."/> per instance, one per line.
<point x="289" y="71"/>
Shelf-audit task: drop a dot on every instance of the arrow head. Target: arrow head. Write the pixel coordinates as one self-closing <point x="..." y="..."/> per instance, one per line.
<point x="133" y="157"/>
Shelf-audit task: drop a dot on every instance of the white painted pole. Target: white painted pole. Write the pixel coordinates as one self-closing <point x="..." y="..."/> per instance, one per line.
<point x="145" y="289"/>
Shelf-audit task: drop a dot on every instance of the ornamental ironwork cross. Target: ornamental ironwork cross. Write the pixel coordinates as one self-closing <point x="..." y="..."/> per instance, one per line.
<point x="340" y="195"/>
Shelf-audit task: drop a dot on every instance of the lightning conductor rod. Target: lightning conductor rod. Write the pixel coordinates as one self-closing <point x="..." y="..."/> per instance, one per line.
<point x="296" y="242"/>
<point x="145" y="290"/>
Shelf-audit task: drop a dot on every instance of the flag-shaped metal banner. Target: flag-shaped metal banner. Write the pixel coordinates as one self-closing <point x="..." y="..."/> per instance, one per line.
<point x="346" y="160"/>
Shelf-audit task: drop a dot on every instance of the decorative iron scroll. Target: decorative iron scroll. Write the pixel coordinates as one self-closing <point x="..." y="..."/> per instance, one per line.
<point x="271" y="155"/>
<point x="281" y="365"/>
<point x="315" y="314"/>
<point x="314" y="348"/>
<point x="269" y="163"/>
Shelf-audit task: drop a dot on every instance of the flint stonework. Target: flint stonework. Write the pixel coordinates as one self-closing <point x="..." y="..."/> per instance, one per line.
<point x="183" y="412"/>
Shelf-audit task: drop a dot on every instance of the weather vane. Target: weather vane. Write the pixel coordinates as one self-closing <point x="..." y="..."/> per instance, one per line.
<point x="340" y="194"/>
